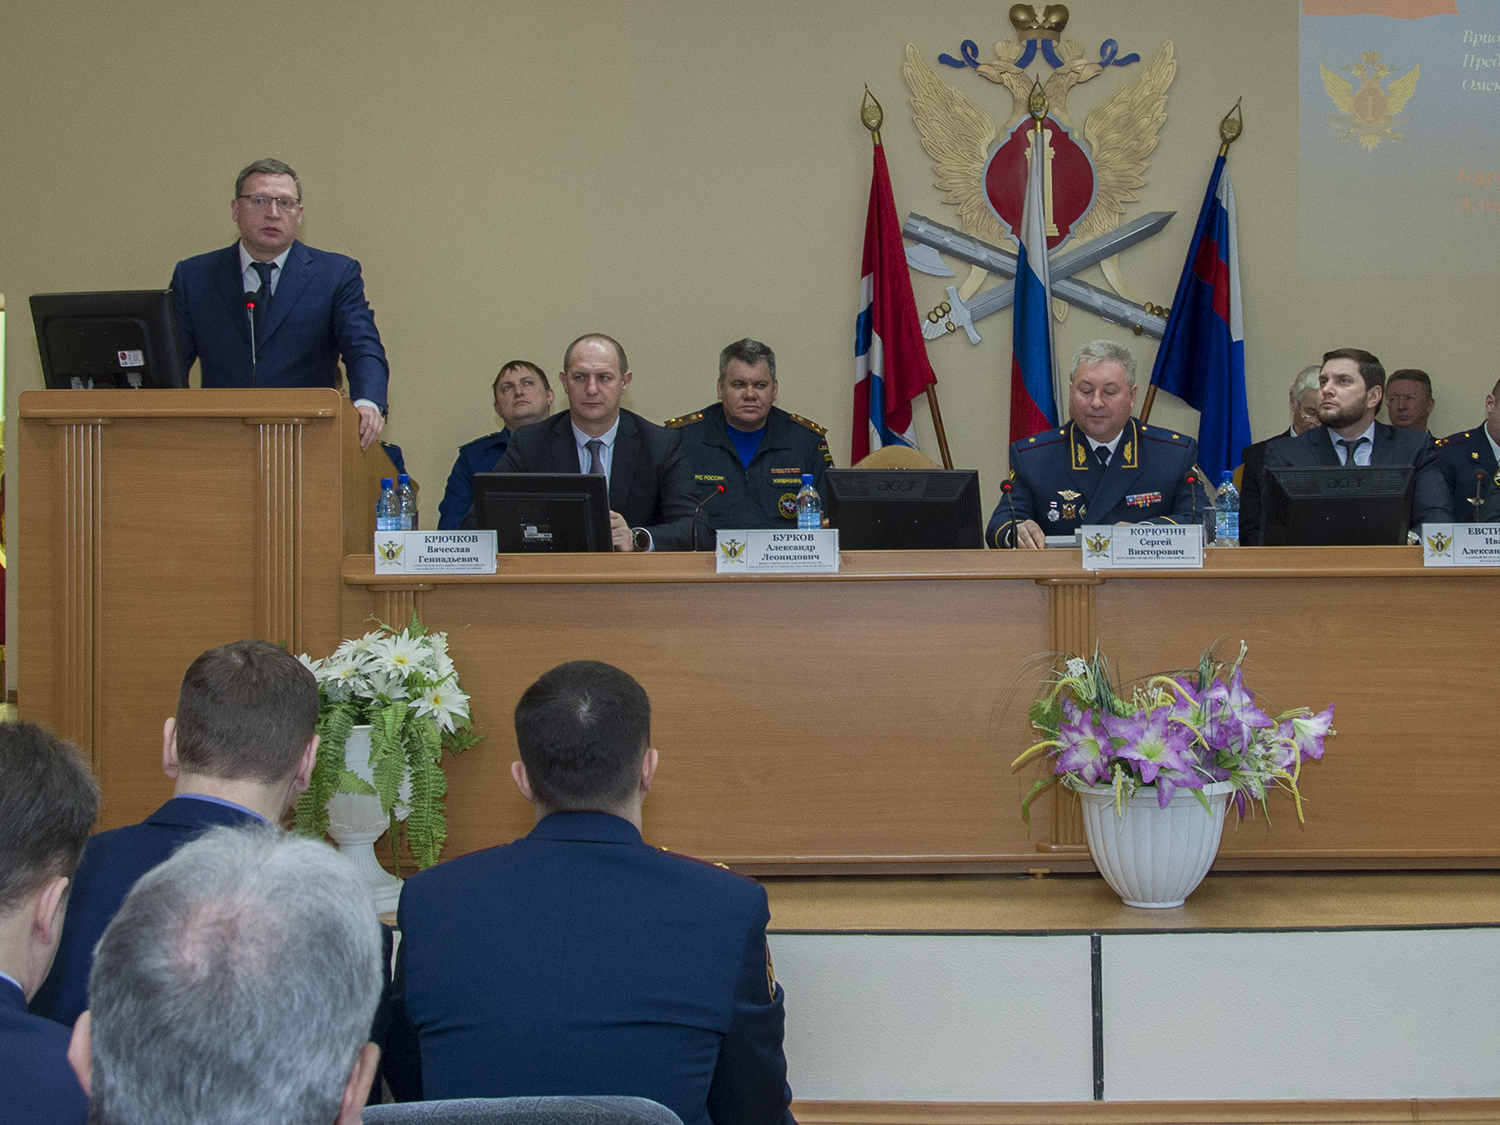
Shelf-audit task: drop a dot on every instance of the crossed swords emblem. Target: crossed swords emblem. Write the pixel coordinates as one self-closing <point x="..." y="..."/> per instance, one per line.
<point x="1143" y="320"/>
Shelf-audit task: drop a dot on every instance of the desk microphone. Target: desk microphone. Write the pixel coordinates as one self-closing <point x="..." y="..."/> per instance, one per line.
<point x="718" y="488"/>
<point x="1479" y="479"/>
<point x="1194" y="479"/>
<point x="1015" y="538"/>
<point x="250" y="300"/>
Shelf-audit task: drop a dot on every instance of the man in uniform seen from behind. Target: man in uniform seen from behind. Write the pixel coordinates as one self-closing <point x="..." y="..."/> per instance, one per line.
<point x="578" y="959"/>
<point x="1303" y="403"/>
<point x="1350" y="387"/>
<point x="1469" y="461"/>
<point x="48" y="800"/>
<point x="522" y="396"/>
<point x="754" y="449"/>
<point x="240" y="749"/>
<point x="1408" y="399"/>
<point x="650" y="483"/>
<point x="1102" y="467"/>
<point x="236" y="984"/>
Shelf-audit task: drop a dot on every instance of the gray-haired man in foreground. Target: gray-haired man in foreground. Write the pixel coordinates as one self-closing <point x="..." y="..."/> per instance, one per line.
<point x="235" y="985"/>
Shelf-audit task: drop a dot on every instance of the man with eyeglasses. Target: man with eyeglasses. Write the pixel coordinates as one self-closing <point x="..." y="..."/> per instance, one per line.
<point x="1408" y="399"/>
<point x="306" y="308"/>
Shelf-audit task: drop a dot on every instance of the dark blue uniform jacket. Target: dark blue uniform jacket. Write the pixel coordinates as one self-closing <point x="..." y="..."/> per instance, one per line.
<point x="1460" y="457"/>
<point x="37" y="1086"/>
<point x="478" y="456"/>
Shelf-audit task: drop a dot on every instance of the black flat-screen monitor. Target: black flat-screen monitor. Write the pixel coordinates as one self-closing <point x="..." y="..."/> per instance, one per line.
<point x="126" y="338"/>
<point x="905" y="509"/>
<point x="1367" y="505"/>
<point x="544" y="511"/>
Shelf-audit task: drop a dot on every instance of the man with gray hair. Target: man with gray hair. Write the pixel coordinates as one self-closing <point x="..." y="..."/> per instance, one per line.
<point x="1102" y="467"/>
<point x="236" y="985"/>
<point x="1302" y="400"/>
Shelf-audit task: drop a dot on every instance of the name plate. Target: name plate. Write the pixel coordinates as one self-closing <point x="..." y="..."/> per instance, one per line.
<point x="1460" y="544"/>
<point x="434" y="552"/>
<point x="778" y="552"/>
<point x="1142" y="546"/>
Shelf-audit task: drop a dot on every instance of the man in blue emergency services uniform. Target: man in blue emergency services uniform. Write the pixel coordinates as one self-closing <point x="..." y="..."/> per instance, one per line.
<point x="756" y="451"/>
<point x="1102" y="467"/>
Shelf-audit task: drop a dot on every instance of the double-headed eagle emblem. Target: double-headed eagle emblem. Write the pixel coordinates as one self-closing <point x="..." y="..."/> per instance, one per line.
<point x="1090" y="181"/>
<point x="1369" y="114"/>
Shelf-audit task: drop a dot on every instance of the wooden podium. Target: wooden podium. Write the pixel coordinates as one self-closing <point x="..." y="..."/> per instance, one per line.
<point x="155" y="524"/>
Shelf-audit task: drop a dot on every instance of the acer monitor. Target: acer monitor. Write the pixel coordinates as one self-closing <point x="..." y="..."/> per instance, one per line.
<point x="126" y="338"/>
<point x="1367" y="505"/>
<point x="539" y="512"/>
<point x="905" y="509"/>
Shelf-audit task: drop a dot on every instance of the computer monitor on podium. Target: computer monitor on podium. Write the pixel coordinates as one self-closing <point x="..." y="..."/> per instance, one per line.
<point x="1368" y="505"/>
<point x="124" y="338"/>
<point x="905" y="509"/>
<point x="539" y="512"/>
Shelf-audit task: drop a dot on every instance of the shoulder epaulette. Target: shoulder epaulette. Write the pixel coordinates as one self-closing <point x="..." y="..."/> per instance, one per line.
<point x="685" y="420"/>
<point x="706" y="863"/>
<point x="809" y="423"/>
<point x="1155" y="433"/>
<point x="1443" y="441"/>
<point x="1037" y="441"/>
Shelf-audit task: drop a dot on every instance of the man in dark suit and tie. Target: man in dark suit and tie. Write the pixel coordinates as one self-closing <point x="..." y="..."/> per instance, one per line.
<point x="1470" y="461"/>
<point x="1303" y="403"/>
<point x="240" y="748"/>
<point x="650" y="481"/>
<point x="48" y="801"/>
<point x="1351" y="384"/>
<point x="1102" y="467"/>
<point x="579" y="959"/>
<point x="307" y="306"/>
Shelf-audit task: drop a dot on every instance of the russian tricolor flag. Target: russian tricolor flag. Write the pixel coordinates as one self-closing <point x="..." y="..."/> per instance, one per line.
<point x="1033" y="395"/>
<point x="1202" y="355"/>
<point x="890" y="356"/>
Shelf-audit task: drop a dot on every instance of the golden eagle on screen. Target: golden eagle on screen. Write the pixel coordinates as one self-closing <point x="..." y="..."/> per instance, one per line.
<point x="1369" y="114"/>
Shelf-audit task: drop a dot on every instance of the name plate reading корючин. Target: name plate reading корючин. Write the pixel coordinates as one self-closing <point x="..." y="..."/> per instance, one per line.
<point x="1460" y="544"/>
<point x="434" y="552"/>
<point x="778" y="552"/>
<point x="1142" y="546"/>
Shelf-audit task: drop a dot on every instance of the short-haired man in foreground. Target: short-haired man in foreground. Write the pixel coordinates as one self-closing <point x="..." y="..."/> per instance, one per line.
<point x="578" y="959"/>
<point x="48" y="800"/>
<point x="1303" y="404"/>
<point x="1102" y="467"/>
<point x="650" y="482"/>
<point x="1350" y="385"/>
<point x="1470" y="461"/>
<point x="1408" y="399"/>
<point x="236" y="984"/>
<point x="240" y="749"/>
<point x="522" y="396"/>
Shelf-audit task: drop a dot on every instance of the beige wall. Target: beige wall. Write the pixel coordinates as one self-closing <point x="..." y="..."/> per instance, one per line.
<point x="678" y="174"/>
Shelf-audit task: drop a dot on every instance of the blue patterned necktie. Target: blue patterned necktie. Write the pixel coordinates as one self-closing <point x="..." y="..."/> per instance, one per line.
<point x="1351" y="448"/>
<point x="596" y="462"/>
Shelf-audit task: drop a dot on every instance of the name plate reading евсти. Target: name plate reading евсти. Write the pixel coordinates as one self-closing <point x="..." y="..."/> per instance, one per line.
<point x="434" y="552"/>
<point x="1142" y="546"/>
<point x="1460" y="544"/>
<point x="778" y="552"/>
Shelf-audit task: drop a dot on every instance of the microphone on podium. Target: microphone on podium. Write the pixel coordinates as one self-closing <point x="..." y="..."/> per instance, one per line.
<point x="718" y="488"/>
<point x="1015" y="532"/>
<point x="250" y="304"/>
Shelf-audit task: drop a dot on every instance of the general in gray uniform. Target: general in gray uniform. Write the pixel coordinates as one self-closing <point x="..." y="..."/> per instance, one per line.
<point x="756" y="451"/>
<point x="1102" y="467"/>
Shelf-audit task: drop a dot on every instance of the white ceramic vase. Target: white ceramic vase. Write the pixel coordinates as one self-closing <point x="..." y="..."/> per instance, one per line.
<point x="356" y="822"/>
<point x="1154" y="857"/>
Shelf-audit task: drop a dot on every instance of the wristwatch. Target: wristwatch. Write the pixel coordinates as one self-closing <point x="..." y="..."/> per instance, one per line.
<point x="641" y="538"/>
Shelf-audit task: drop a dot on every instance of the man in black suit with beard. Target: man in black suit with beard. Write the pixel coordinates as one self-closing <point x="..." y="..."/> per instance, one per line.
<point x="1350" y="386"/>
<point x="650" y="481"/>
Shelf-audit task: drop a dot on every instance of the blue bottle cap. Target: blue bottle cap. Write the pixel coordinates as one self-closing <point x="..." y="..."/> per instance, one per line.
<point x="403" y="479"/>
<point x="807" y="478"/>
<point x="385" y="482"/>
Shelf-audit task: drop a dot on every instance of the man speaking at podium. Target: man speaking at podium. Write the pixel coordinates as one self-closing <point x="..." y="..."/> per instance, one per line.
<point x="307" y="306"/>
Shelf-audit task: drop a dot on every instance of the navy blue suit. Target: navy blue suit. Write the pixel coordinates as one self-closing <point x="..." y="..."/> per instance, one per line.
<point x="318" y="313"/>
<point x="650" y="480"/>
<point x="579" y="960"/>
<point x="37" y="1086"/>
<point x="1460" y="456"/>
<point x="478" y="456"/>
<point x="112" y="862"/>
<point x="1391" y="446"/>
<point x="1059" y="484"/>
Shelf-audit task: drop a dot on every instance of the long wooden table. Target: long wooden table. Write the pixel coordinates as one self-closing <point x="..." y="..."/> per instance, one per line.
<point x="865" y="722"/>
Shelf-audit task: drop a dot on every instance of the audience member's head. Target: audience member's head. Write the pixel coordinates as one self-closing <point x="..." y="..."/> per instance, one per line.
<point x="1408" y="398"/>
<point x="747" y="384"/>
<point x="236" y="985"/>
<point x="1101" y="390"/>
<point x="594" y="377"/>
<point x="584" y="731"/>
<point x="48" y="801"/>
<point x="1351" y="384"/>
<point x="522" y="394"/>
<point x="1303" y="400"/>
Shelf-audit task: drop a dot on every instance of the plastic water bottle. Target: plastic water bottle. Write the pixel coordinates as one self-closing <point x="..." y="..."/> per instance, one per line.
<point x="1227" y="518"/>
<point x="809" y="506"/>
<point x="388" y="507"/>
<point x="408" y="497"/>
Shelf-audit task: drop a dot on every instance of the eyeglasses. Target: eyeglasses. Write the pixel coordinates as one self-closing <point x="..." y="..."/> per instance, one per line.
<point x="264" y="202"/>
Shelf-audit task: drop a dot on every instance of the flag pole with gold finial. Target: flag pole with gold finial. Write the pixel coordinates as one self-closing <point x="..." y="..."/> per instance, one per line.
<point x="872" y="117"/>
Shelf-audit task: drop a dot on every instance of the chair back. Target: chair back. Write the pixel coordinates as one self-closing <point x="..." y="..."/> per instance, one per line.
<point x="563" y="1110"/>
<point x="897" y="456"/>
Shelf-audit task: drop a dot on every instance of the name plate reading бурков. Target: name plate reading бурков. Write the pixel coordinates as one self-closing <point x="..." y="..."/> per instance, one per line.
<point x="778" y="552"/>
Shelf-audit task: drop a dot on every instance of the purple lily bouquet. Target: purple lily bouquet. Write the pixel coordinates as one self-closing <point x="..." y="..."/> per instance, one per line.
<point x="1175" y="731"/>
